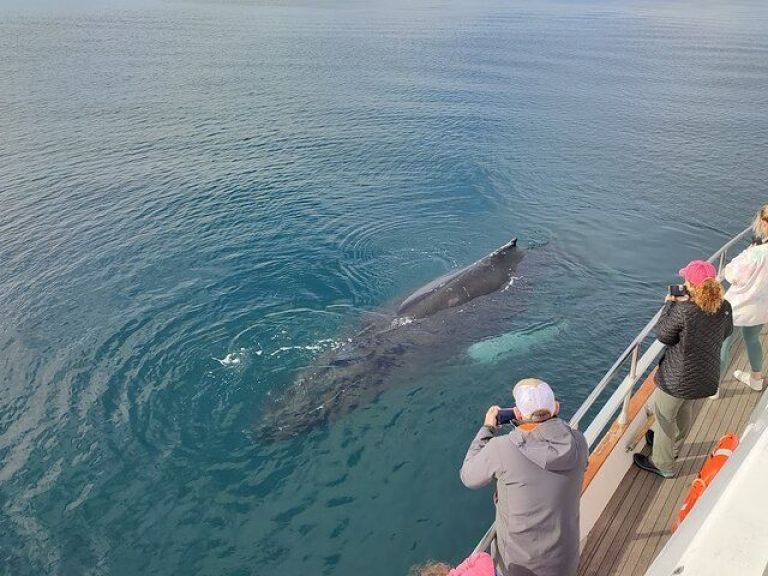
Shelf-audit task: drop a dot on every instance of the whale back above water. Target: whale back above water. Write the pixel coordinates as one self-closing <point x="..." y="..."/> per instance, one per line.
<point x="485" y="276"/>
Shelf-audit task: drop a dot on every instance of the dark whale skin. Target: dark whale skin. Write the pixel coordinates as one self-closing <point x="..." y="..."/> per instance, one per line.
<point x="483" y="277"/>
<point x="423" y="327"/>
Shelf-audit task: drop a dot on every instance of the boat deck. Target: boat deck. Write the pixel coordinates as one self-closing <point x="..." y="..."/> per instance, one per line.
<point x="636" y="523"/>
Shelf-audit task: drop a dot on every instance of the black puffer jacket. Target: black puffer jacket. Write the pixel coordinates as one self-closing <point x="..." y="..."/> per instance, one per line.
<point x="690" y="367"/>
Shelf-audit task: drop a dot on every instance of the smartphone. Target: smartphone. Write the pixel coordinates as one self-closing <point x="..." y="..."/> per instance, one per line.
<point x="505" y="416"/>
<point x="677" y="290"/>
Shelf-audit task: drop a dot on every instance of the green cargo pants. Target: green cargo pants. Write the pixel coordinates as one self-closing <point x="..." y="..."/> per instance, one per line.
<point x="674" y="417"/>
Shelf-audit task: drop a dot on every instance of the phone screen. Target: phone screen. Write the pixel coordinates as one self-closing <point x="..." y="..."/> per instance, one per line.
<point x="505" y="416"/>
<point x="676" y="290"/>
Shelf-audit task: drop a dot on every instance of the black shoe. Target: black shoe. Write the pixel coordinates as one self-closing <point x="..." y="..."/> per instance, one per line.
<point x="649" y="437"/>
<point x="644" y="462"/>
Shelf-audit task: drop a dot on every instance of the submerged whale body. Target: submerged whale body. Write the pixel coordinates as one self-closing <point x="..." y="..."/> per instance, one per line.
<point x="423" y="328"/>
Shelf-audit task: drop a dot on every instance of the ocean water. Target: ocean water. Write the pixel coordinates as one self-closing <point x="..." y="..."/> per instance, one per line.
<point x="198" y="198"/>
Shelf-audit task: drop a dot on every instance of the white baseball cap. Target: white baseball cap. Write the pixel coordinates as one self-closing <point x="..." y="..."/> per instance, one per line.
<point x="533" y="394"/>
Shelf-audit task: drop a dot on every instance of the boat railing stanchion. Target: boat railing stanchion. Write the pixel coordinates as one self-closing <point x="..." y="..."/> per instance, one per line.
<point x="624" y="416"/>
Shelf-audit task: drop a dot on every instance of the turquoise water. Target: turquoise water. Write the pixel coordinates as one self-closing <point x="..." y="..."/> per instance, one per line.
<point x="183" y="182"/>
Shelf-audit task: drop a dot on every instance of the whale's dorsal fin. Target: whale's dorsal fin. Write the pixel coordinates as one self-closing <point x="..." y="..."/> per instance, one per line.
<point x="511" y="244"/>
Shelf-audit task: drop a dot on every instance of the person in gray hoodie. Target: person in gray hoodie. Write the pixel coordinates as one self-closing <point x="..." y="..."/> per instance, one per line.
<point x="539" y="468"/>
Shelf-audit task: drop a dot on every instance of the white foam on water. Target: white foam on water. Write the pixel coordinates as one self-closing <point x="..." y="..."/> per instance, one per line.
<point x="233" y="358"/>
<point x="511" y="283"/>
<point x="404" y="321"/>
<point x="324" y="344"/>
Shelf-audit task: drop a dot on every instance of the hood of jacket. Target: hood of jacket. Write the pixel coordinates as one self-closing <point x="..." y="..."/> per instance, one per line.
<point x="550" y="445"/>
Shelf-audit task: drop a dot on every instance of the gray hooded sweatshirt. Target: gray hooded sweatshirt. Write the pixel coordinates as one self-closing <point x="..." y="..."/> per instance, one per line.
<point x="538" y="479"/>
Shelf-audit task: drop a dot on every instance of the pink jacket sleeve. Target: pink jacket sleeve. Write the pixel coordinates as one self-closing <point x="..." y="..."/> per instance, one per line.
<point x="480" y="564"/>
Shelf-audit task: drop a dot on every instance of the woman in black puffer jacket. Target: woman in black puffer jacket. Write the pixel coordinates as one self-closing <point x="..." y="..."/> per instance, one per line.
<point x="693" y="328"/>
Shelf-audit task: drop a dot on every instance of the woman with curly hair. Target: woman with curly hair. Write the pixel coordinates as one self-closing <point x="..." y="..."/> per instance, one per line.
<point x="693" y="327"/>
<point x="748" y="295"/>
<point x="431" y="569"/>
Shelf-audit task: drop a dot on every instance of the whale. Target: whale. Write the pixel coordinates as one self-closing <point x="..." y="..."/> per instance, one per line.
<point x="429" y="325"/>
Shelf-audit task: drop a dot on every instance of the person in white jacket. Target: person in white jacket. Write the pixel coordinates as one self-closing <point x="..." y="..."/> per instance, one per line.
<point x="748" y="295"/>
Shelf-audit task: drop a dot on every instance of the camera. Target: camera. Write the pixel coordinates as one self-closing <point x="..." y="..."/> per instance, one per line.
<point x="505" y="416"/>
<point x="678" y="290"/>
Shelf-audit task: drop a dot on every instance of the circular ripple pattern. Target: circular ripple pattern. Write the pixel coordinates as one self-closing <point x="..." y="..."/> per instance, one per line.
<point x="199" y="199"/>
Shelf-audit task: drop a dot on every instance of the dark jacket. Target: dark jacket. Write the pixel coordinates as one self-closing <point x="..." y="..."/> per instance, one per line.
<point x="538" y="478"/>
<point x="690" y="367"/>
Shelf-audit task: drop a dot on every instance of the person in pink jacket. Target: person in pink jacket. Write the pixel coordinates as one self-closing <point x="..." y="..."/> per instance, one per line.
<point x="479" y="564"/>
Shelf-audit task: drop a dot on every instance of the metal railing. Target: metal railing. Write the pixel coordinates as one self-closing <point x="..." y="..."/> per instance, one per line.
<point x="638" y="366"/>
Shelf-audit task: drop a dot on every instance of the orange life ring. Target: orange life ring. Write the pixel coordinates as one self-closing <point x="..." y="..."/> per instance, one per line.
<point x="709" y="470"/>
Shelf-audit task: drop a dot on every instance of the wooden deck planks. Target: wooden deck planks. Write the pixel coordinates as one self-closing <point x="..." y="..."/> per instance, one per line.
<point x="637" y="521"/>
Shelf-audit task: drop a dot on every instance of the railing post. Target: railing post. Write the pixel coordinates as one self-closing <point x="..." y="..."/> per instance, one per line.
<point x="722" y="262"/>
<point x="624" y="415"/>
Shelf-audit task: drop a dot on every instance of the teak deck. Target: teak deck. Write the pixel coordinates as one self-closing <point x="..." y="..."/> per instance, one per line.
<point x="637" y="521"/>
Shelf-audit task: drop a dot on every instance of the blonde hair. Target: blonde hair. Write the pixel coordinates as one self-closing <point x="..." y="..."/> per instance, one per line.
<point x="760" y="225"/>
<point x="430" y="569"/>
<point x="708" y="295"/>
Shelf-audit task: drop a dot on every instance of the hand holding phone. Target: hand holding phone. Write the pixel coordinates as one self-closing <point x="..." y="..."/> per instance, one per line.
<point x="490" y="417"/>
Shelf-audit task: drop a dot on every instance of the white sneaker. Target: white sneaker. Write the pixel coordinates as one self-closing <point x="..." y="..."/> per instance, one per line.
<point x="746" y="378"/>
<point x="716" y="395"/>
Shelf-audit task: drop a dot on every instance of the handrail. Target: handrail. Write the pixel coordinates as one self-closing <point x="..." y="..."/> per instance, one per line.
<point x="621" y="396"/>
<point x="486" y="540"/>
